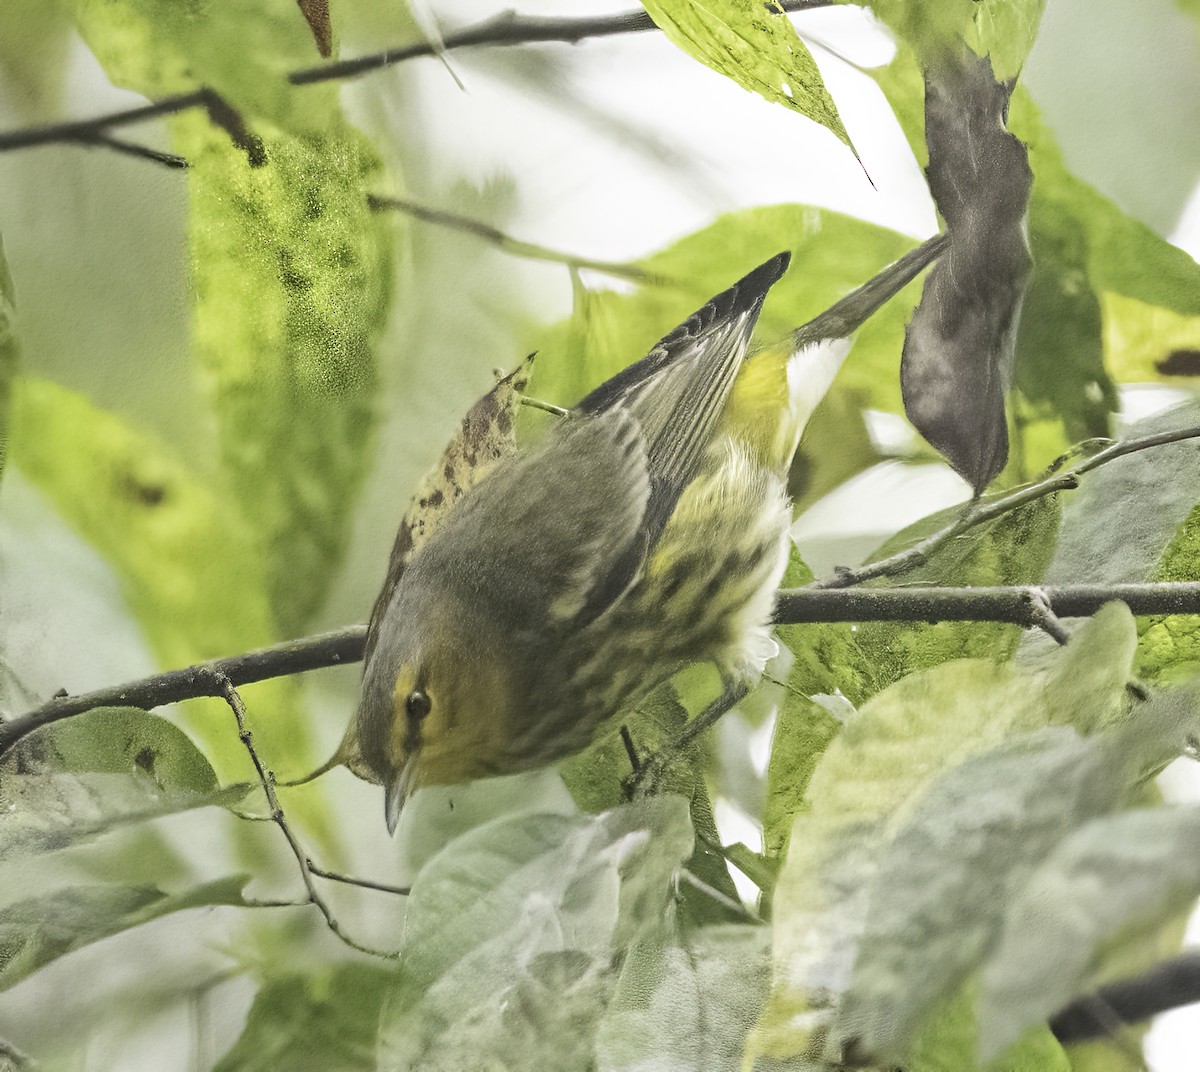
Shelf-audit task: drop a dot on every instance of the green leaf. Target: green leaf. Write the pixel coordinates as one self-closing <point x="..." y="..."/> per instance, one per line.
<point x="1003" y="30"/>
<point x="326" y="1020"/>
<point x="803" y="731"/>
<point x="192" y="570"/>
<point x="159" y="47"/>
<point x="1170" y="644"/>
<point x="596" y="776"/>
<point x="36" y="931"/>
<point x="292" y="276"/>
<point x="1060" y="343"/>
<point x="827" y="660"/>
<point x="938" y="897"/>
<point x="950" y="1041"/>
<point x="291" y="269"/>
<point x="1117" y="876"/>
<point x="686" y="1006"/>
<point x="757" y="46"/>
<point x="1117" y="525"/>
<point x="1129" y="266"/>
<point x="929" y="27"/>
<point x="884" y="758"/>
<point x="110" y="767"/>
<point x="511" y="931"/>
<point x="8" y="353"/>
<point x="1014" y="549"/>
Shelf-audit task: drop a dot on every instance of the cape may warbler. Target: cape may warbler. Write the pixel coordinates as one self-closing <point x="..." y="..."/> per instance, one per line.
<point x="646" y="531"/>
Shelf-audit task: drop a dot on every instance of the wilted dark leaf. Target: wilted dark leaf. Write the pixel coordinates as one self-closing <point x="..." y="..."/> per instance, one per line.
<point x="958" y="351"/>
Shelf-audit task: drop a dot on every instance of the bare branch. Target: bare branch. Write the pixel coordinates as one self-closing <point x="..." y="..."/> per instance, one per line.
<point x="508" y="28"/>
<point x="980" y="511"/>
<point x="143" y="152"/>
<point x="1018" y="604"/>
<point x="1169" y="985"/>
<point x="267" y="780"/>
<point x="365" y="883"/>
<point x="822" y="601"/>
<point x="503" y="241"/>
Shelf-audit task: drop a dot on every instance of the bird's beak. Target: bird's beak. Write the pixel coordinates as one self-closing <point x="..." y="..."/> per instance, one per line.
<point x="396" y="792"/>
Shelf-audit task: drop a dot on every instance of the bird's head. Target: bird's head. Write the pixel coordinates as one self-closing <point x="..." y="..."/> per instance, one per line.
<point x="438" y="701"/>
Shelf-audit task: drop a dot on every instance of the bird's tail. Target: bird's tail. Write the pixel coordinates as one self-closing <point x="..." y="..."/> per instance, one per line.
<point x="802" y="369"/>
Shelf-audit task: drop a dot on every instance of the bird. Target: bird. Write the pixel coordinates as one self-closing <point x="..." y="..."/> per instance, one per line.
<point x="646" y="531"/>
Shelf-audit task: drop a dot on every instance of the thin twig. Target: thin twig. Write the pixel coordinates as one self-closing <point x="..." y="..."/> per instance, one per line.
<point x="1042" y="615"/>
<point x="267" y="779"/>
<point x="365" y="883"/>
<point x="984" y="510"/>
<point x="722" y="899"/>
<point x="502" y="241"/>
<point x="129" y="148"/>
<point x="508" y="28"/>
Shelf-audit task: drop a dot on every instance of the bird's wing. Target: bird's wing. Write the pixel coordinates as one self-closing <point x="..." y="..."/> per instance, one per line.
<point x="679" y="390"/>
<point x="558" y="534"/>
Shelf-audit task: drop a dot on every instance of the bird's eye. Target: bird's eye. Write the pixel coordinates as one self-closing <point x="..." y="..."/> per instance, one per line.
<point x="418" y="705"/>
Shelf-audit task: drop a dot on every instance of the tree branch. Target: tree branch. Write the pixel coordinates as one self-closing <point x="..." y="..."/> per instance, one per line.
<point x="205" y="679"/>
<point x="1169" y="985"/>
<point x="980" y="511"/>
<point x="267" y="779"/>
<point x="506" y="29"/>
<point x="502" y="241"/>
<point x="1019" y="605"/>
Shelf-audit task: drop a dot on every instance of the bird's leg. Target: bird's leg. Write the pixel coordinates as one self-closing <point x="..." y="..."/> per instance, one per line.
<point x="644" y="777"/>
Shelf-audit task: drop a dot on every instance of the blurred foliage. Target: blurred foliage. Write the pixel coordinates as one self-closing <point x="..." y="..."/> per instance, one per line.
<point x="34" y="35"/>
<point x="291" y="269"/>
<point x="957" y="834"/>
<point x="323" y="1020"/>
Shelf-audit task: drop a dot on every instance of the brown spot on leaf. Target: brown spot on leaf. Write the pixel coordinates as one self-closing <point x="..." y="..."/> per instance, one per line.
<point x="145" y="760"/>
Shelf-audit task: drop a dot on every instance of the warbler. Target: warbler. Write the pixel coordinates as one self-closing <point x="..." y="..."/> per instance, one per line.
<point x="646" y="531"/>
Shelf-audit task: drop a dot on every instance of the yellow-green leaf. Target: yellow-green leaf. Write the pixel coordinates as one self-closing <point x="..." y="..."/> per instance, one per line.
<point x="756" y="45"/>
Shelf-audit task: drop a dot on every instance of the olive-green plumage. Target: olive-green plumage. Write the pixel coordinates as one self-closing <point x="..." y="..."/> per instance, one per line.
<point x="646" y="531"/>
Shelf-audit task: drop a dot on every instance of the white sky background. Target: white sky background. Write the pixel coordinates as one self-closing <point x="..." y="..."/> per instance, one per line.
<point x="1119" y="82"/>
